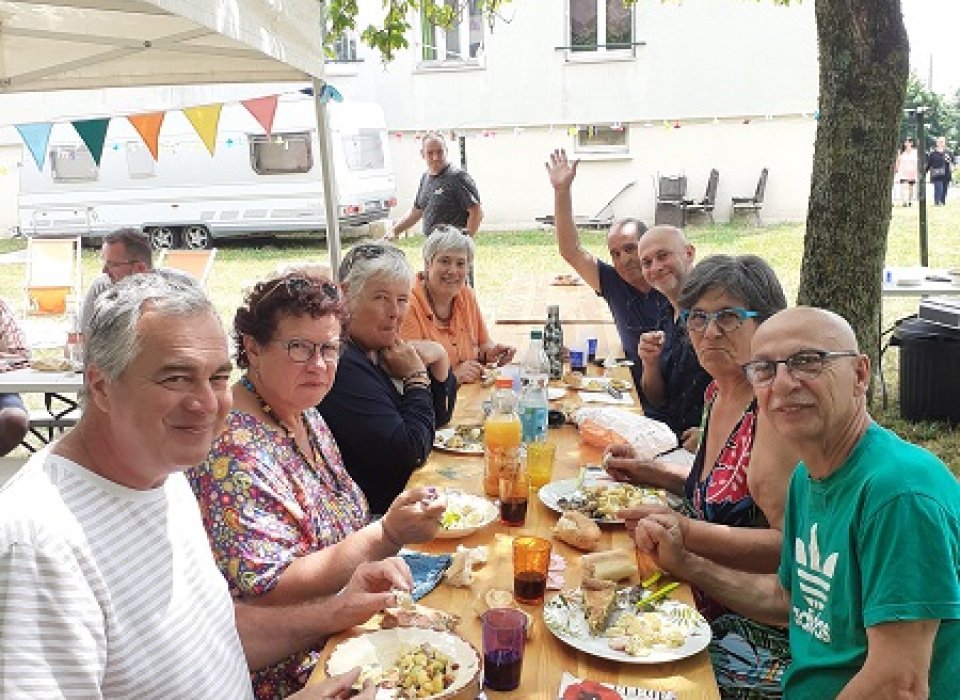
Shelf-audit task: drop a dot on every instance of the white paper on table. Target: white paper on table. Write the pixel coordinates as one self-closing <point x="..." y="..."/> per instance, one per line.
<point x="604" y="398"/>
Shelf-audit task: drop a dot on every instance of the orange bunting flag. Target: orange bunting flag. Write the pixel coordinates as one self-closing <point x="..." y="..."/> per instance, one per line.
<point x="148" y="126"/>
<point x="205" y="121"/>
<point x="263" y="110"/>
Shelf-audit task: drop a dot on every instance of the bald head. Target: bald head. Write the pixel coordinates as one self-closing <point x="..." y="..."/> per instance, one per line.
<point x="819" y="328"/>
<point x="667" y="258"/>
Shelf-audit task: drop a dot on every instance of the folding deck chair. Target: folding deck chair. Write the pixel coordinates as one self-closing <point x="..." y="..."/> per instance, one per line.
<point x="601" y="220"/>
<point x="197" y="263"/>
<point x="53" y="273"/>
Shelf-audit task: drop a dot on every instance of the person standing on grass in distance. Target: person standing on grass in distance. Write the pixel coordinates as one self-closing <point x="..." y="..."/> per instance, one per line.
<point x="285" y="520"/>
<point x="735" y="492"/>
<point x="108" y="584"/>
<point x="124" y="252"/>
<point x="14" y="354"/>
<point x="673" y="380"/>
<point x="446" y="195"/>
<point x="906" y="171"/>
<point x="869" y="575"/>
<point x="938" y="166"/>
<point x="390" y="395"/>
<point x="443" y="308"/>
<point x="636" y="307"/>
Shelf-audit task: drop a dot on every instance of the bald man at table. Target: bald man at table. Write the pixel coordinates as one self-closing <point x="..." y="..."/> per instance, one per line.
<point x="636" y="307"/>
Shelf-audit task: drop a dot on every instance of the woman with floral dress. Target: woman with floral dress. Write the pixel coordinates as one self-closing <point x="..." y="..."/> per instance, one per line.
<point x="286" y="521"/>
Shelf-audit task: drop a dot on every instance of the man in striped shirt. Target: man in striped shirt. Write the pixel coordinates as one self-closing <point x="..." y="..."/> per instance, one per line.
<point x="108" y="588"/>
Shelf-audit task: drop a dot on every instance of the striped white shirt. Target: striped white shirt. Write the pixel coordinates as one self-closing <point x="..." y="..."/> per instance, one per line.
<point x="110" y="592"/>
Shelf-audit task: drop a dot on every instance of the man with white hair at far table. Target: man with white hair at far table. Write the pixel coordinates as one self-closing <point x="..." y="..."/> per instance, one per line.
<point x="108" y="587"/>
<point x="869" y="578"/>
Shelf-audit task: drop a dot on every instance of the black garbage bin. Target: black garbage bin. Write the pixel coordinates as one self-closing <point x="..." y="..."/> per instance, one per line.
<point x="929" y="370"/>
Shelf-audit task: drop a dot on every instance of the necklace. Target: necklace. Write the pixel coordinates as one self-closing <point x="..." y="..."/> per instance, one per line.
<point x="444" y="320"/>
<point x="270" y="413"/>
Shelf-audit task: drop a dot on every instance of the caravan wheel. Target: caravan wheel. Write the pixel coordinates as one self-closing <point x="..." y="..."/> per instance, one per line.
<point x="162" y="237"/>
<point x="196" y="237"/>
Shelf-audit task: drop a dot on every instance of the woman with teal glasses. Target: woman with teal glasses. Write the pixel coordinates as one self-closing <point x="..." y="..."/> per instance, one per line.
<point x="735" y="491"/>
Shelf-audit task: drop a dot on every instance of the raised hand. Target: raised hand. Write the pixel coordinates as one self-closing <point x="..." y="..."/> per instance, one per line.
<point x="560" y="170"/>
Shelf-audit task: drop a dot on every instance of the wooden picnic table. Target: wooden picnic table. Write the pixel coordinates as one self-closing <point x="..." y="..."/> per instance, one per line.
<point x="527" y="296"/>
<point x="546" y="657"/>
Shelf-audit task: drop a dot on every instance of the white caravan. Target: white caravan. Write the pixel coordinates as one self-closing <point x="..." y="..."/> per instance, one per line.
<point x="253" y="185"/>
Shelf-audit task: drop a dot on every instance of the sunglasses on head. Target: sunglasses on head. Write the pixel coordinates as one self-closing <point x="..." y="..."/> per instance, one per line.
<point x="367" y="251"/>
<point x="295" y="286"/>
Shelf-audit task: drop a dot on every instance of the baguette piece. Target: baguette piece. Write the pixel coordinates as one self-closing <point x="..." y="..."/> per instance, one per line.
<point x="612" y="565"/>
<point x="577" y="530"/>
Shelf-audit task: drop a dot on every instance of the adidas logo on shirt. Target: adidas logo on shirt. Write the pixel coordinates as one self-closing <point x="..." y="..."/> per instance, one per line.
<point x="815" y="577"/>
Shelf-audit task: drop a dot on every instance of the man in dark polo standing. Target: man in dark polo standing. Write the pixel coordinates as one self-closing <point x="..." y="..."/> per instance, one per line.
<point x="447" y="194"/>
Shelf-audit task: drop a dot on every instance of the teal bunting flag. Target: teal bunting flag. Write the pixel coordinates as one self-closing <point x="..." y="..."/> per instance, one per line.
<point x="94" y="134"/>
<point x="36" y="137"/>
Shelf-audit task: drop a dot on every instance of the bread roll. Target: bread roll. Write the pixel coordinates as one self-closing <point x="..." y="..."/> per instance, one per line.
<point x="577" y="530"/>
<point x="612" y="565"/>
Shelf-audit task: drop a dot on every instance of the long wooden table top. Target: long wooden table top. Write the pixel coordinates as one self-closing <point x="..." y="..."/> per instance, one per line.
<point x="546" y="657"/>
<point x="528" y="296"/>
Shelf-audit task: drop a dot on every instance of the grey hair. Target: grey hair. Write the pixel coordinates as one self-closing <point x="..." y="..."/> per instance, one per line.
<point x="746" y="277"/>
<point x="112" y="342"/>
<point x="370" y="259"/>
<point x="447" y="239"/>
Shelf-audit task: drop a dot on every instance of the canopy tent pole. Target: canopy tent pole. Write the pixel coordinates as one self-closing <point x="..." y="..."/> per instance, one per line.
<point x="330" y="195"/>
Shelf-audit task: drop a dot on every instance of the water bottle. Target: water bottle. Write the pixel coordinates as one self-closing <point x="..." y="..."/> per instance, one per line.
<point x="553" y="342"/>
<point x="535" y="373"/>
<point x="73" y="351"/>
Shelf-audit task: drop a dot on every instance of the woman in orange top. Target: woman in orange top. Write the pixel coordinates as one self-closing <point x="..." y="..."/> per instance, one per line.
<point x="443" y="308"/>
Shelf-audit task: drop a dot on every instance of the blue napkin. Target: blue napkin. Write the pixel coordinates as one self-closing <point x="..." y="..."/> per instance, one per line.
<point x="427" y="570"/>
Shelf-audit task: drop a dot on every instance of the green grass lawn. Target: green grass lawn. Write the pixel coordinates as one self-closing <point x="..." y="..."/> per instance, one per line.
<point x="502" y="255"/>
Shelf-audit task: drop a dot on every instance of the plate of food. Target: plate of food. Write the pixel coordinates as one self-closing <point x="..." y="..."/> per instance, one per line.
<point x="465" y="514"/>
<point x="566" y="280"/>
<point x="466" y="439"/>
<point x="411" y="662"/>
<point x="580" y="382"/>
<point x="55" y="364"/>
<point x="599" y="501"/>
<point x="555" y="393"/>
<point x="612" y="623"/>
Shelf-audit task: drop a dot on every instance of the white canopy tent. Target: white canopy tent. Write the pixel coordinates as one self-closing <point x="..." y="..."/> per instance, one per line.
<point x="57" y="45"/>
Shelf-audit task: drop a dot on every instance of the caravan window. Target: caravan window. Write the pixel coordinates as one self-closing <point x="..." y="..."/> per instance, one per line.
<point x="281" y="153"/>
<point x="364" y="151"/>
<point x="140" y="161"/>
<point x="72" y="164"/>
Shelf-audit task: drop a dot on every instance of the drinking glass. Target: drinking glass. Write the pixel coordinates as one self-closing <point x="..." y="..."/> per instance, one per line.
<point x="531" y="561"/>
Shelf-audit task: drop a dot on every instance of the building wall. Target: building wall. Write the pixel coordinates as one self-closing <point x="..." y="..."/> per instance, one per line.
<point x="707" y="65"/>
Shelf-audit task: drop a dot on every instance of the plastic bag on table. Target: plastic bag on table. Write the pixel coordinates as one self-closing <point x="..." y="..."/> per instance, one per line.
<point x="602" y="426"/>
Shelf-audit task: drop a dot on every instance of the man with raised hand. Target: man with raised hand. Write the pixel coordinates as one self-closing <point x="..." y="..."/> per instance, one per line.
<point x="635" y="306"/>
<point x="108" y="588"/>
<point x="869" y="578"/>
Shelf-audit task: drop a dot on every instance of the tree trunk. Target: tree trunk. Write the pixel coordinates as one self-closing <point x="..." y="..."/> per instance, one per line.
<point x="863" y="77"/>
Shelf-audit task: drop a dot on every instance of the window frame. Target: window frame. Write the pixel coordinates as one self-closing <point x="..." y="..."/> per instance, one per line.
<point x="604" y="149"/>
<point x="255" y="140"/>
<point x="600" y="52"/>
<point x="434" y="39"/>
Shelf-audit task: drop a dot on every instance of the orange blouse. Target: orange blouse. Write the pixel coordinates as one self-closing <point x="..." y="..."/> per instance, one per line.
<point x="462" y="337"/>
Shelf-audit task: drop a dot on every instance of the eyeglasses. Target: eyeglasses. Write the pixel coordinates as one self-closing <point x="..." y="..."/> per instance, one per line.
<point x="114" y="264"/>
<point x="367" y="251"/>
<point x="295" y="286"/>
<point x="727" y="320"/>
<point x="302" y="351"/>
<point x="801" y="366"/>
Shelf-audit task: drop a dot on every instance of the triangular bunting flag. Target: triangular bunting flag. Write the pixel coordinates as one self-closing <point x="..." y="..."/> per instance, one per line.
<point x="36" y="137"/>
<point x="328" y="92"/>
<point x="263" y="110"/>
<point x="205" y="121"/>
<point x="148" y="126"/>
<point x="94" y="133"/>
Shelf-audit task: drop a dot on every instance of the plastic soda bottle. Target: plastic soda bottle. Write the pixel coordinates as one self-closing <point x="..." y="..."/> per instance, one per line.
<point x="535" y="373"/>
<point x="501" y="436"/>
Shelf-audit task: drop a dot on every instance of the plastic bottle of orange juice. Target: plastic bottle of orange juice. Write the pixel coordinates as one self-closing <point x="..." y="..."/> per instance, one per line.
<point x="501" y="436"/>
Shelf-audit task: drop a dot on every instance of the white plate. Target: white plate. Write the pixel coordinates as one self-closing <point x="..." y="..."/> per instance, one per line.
<point x="383" y="647"/>
<point x="441" y="436"/>
<point x="568" y="624"/>
<point x="556" y="392"/>
<point x="551" y="493"/>
<point x="458" y="502"/>
<point x="601" y="384"/>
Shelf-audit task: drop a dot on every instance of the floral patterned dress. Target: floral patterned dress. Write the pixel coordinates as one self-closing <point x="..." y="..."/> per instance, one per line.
<point x="263" y="506"/>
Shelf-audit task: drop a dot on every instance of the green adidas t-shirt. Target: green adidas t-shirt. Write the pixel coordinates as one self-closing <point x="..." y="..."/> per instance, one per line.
<point x="877" y="541"/>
